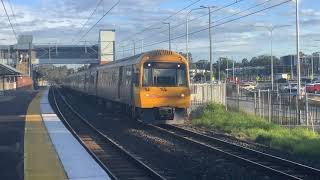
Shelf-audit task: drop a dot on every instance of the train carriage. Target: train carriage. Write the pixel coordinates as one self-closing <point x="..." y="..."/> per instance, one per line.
<point x="152" y="86"/>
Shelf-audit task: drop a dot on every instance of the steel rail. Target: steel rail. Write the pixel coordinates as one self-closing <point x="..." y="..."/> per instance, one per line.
<point x="238" y="152"/>
<point x="150" y="172"/>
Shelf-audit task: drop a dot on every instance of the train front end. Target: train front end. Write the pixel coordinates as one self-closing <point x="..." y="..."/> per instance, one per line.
<point x="164" y="93"/>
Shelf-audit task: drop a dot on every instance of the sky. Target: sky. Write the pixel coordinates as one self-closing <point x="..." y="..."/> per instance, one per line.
<point x="68" y="21"/>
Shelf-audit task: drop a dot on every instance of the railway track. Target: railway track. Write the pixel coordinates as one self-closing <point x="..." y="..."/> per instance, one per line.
<point x="115" y="160"/>
<point x="271" y="164"/>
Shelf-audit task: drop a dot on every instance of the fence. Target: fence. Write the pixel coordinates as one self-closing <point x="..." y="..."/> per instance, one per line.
<point x="201" y="94"/>
<point x="285" y="109"/>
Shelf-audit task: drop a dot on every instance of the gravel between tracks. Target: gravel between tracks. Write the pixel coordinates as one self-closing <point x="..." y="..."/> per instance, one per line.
<point x="170" y="157"/>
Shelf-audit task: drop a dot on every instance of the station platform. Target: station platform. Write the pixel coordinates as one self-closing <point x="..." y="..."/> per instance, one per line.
<point x="40" y="145"/>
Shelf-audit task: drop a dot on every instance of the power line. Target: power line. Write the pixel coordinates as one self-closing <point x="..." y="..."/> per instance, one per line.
<point x="5" y="9"/>
<point x="95" y="9"/>
<point x="172" y="15"/>
<point x="13" y="14"/>
<point x="99" y="20"/>
<point x="252" y="7"/>
<point x="178" y="25"/>
<point x="240" y="12"/>
<point x="217" y="25"/>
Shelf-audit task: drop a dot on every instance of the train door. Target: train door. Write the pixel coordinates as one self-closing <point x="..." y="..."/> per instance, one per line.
<point x="120" y="81"/>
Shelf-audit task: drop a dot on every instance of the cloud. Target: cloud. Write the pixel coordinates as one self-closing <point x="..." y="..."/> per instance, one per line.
<point x="51" y="21"/>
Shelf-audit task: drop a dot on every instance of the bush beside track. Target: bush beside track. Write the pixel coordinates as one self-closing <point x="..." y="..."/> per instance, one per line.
<point x="299" y="141"/>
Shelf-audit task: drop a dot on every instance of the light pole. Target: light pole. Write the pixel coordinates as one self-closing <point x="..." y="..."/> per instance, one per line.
<point x="271" y="29"/>
<point x="187" y="30"/>
<point x="142" y="44"/>
<point x="169" y="25"/>
<point x="298" y="49"/>
<point x="210" y="39"/>
<point x="233" y="79"/>
<point x="227" y="68"/>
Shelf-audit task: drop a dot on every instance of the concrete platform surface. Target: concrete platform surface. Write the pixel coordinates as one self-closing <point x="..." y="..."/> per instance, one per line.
<point x="77" y="162"/>
<point x="13" y="108"/>
<point x="40" y="158"/>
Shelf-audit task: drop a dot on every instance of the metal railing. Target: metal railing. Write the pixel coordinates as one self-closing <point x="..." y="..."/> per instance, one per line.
<point x="282" y="108"/>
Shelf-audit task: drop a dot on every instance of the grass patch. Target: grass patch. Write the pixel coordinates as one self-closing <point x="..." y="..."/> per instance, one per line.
<point x="299" y="141"/>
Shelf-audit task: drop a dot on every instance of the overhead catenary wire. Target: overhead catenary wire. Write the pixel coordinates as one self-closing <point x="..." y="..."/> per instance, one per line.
<point x="92" y="13"/>
<point x="183" y="23"/>
<point x="217" y="25"/>
<point x="240" y="12"/>
<point x="13" y="14"/>
<point x="5" y="10"/>
<point x="154" y="24"/>
<point x="85" y="34"/>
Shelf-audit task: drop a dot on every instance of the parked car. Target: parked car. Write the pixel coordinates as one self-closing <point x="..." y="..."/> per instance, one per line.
<point x="248" y="86"/>
<point x="313" y="88"/>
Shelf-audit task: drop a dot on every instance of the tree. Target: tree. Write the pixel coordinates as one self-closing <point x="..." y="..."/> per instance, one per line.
<point x="53" y="73"/>
<point x="203" y="64"/>
<point x="264" y="60"/>
<point x="245" y="62"/>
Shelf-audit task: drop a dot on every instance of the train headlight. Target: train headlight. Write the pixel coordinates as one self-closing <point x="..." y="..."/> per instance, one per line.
<point x="182" y="95"/>
<point x="147" y="95"/>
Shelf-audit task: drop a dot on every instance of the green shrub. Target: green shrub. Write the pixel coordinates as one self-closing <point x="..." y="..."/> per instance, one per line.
<point x="296" y="140"/>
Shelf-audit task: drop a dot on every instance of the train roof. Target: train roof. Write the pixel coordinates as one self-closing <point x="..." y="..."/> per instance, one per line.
<point x="128" y="60"/>
<point x="137" y="58"/>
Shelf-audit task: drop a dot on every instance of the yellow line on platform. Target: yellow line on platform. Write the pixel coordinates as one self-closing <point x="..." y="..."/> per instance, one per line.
<point x="40" y="158"/>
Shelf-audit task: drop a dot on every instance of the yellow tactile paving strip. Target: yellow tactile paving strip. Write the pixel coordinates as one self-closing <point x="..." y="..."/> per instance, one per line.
<point x="41" y="161"/>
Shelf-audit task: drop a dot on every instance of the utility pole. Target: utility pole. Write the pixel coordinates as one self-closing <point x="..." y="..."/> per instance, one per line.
<point x="227" y="68"/>
<point x="169" y="25"/>
<point x="49" y="54"/>
<point x="272" y="75"/>
<point x="210" y="43"/>
<point x="187" y="30"/>
<point x="312" y="67"/>
<point x="219" y="68"/>
<point x="271" y="29"/>
<point x="210" y="38"/>
<point x="292" y="61"/>
<point x="298" y="49"/>
<point x="142" y="44"/>
<point x="233" y="70"/>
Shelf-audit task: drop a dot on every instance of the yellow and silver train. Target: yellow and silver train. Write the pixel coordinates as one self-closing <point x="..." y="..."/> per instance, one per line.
<point x="153" y="86"/>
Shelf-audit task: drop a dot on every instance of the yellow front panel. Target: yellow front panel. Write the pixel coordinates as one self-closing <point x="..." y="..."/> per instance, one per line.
<point x="151" y="97"/>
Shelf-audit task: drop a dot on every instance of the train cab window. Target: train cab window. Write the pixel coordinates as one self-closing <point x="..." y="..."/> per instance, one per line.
<point x="181" y="77"/>
<point x="164" y="74"/>
<point x="147" y="77"/>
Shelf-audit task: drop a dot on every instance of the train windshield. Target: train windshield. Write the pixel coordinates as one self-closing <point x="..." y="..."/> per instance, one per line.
<point x="164" y="74"/>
